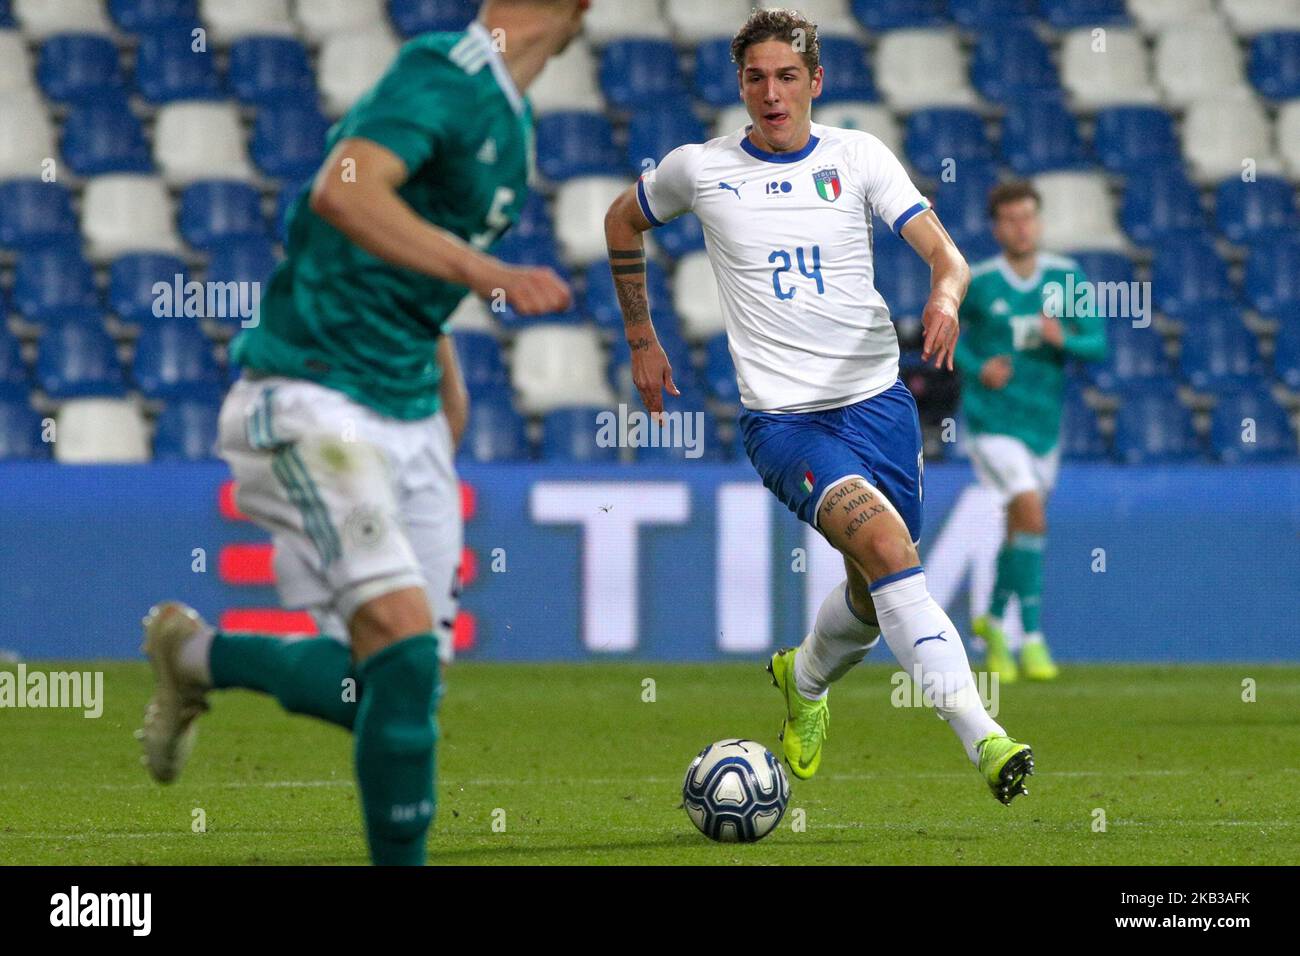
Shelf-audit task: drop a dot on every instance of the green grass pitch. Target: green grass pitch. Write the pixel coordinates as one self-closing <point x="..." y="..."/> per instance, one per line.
<point x="581" y="770"/>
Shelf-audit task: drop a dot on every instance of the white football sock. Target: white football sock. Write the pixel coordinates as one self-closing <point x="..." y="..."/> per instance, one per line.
<point x="930" y="649"/>
<point x="194" y="656"/>
<point x="838" y="640"/>
<point x="1033" y="637"/>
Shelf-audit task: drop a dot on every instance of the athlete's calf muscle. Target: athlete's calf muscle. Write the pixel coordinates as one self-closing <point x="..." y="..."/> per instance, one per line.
<point x="861" y="523"/>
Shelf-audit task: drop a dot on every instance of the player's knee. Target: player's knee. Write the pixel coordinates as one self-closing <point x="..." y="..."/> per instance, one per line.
<point x="890" y="554"/>
<point x="384" y="620"/>
<point x="1025" y="514"/>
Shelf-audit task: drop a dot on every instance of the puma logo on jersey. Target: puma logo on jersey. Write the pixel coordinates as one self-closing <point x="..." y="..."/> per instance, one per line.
<point x="734" y="189"/>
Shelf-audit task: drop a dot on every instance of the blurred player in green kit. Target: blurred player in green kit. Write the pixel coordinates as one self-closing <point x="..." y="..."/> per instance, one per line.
<point x="1020" y="325"/>
<point x="341" y="432"/>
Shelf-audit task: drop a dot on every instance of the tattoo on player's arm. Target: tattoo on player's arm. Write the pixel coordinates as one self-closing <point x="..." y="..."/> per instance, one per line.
<point x="637" y="345"/>
<point x="628" y="268"/>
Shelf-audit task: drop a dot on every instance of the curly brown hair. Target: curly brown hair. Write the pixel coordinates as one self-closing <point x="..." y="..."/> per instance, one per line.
<point x="776" y="24"/>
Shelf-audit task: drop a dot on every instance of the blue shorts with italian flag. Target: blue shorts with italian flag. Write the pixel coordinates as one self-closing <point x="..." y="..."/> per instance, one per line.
<point x="802" y="455"/>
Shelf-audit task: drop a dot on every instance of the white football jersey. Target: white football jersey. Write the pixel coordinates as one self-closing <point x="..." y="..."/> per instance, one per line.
<point x="789" y="237"/>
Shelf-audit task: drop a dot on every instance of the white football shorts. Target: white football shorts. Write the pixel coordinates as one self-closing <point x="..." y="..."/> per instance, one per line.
<point x="358" y="504"/>
<point x="1008" y="466"/>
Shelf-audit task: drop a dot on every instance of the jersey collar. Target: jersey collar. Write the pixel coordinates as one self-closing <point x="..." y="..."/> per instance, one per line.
<point x="747" y="145"/>
<point x="1014" y="279"/>
<point x="498" y="65"/>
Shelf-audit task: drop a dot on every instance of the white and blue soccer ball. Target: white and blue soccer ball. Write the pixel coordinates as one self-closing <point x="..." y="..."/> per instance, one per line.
<point x="735" y="791"/>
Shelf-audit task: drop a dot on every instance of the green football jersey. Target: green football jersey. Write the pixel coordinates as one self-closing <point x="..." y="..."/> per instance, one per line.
<point x="1002" y="315"/>
<point x="335" y="314"/>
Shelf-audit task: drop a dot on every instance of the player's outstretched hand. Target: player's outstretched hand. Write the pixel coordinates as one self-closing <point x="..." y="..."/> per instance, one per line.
<point x="941" y="331"/>
<point x="651" y="373"/>
<point x="535" y="290"/>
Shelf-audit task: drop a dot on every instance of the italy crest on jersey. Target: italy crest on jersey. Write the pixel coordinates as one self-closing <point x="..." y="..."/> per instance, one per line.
<point x="828" y="183"/>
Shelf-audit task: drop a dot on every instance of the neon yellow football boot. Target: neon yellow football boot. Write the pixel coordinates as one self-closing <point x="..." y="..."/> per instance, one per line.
<point x="805" y="723"/>
<point x="998" y="659"/>
<point x="1036" y="662"/>
<point x="1005" y="763"/>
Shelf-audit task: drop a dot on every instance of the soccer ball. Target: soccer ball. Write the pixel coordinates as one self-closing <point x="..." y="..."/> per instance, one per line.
<point x="735" y="791"/>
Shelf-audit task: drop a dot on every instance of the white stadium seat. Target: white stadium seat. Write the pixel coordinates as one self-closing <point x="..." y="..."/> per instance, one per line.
<point x="568" y="82"/>
<point x="559" y="366"/>
<point x="125" y="212"/>
<point x="1209" y="45"/>
<point x="15" y="64"/>
<point x="623" y="20"/>
<point x="44" y="18"/>
<point x="229" y="20"/>
<point x="26" y="135"/>
<point x="319" y="19"/>
<point x="1152" y="16"/>
<point x="1288" y="136"/>
<point x="695" y="297"/>
<point x="196" y="140"/>
<point x="693" y="21"/>
<point x="868" y="117"/>
<point x="472" y="315"/>
<point x="1219" y="132"/>
<point x="350" y="64"/>
<point x="95" y="430"/>
<point x="580" y="207"/>
<point x="1078" y="212"/>
<point x="1249" y="17"/>
<point x="1095" y="78"/>
<point x="916" y="69"/>
<point x="833" y="17"/>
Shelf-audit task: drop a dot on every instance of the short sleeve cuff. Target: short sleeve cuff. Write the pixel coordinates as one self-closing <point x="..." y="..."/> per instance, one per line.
<point x="909" y="215"/>
<point x="644" y="203"/>
<point x="409" y="143"/>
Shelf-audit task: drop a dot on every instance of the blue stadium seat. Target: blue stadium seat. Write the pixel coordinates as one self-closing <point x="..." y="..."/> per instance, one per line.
<point x="217" y="211"/>
<point x="1249" y="425"/>
<point x="265" y="69"/>
<point x="20" y="433"/>
<point x="173" y="360"/>
<point x="289" y="140"/>
<point x="52" y="280"/>
<point x="14" y="378"/>
<point x="720" y="370"/>
<point x="244" y="261"/>
<point x="1275" y="64"/>
<point x="1130" y="138"/>
<point x="494" y="432"/>
<point x="640" y="73"/>
<point x="1069" y="14"/>
<point x="680" y="236"/>
<point x="536" y="251"/>
<point x="1011" y="63"/>
<point x="1272" y="280"/>
<point x="77" y="359"/>
<point x="985" y="14"/>
<point x="707" y="446"/>
<point x="131" y="281"/>
<point x="1160" y="203"/>
<point x="848" y="77"/>
<point x="1188" y="274"/>
<point x="77" y="67"/>
<point x="105" y="137"/>
<point x="481" y="364"/>
<point x="600" y="302"/>
<point x="570" y="434"/>
<point x="714" y="79"/>
<point x="284" y="201"/>
<point x="513" y="321"/>
<point x="1218" y="352"/>
<point x="1135" y="359"/>
<point x="1040" y="135"/>
<point x="167" y="68"/>
<point x="899" y="14"/>
<point x="423" y="16"/>
<point x="33" y="212"/>
<point x="1081" y="437"/>
<point x="6" y="16"/>
<point x="1154" y="428"/>
<point x="654" y="134"/>
<point x="1105" y="266"/>
<point x="534" y="220"/>
<point x="187" y="431"/>
<point x="936" y="135"/>
<point x="900" y="275"/>
<point x="1249" y="211"/>
<point x="137" y="16"/>
<point x="962" y="205"/>
<point x="1286" y="356"/>
<point x="577" y="144"/>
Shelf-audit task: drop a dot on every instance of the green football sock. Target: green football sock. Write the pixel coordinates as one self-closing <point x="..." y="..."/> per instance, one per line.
<point x="310" y="675"/>
<point x="1003" y="584"/>
<point x="1028" y="550"/>
<point x="396" y="733"/>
